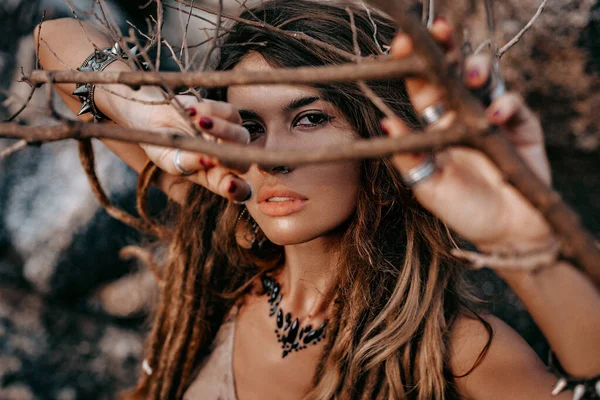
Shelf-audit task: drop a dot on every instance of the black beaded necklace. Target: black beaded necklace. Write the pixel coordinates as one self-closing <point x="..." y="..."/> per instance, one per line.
<point x="289" y="333"/>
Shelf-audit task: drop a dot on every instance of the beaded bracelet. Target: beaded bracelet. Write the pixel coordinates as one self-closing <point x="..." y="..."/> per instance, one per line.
<point x="512" y="259"/>
<point x="583" y="389"/>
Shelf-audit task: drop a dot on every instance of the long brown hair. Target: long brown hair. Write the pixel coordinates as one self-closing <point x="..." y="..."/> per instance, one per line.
<point x="399" y="286"/>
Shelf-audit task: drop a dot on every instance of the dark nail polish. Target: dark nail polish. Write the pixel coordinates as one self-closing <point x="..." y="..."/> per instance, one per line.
<point x="474" y="74"/>
<point x="385" y="129"/>
<point x="232" y="187"/>
<point x="191" y="111"/>
<point x="206" y="123"/>
<point x="206" y="164"/>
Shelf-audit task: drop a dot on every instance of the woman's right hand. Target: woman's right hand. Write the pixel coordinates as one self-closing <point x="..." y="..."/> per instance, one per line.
<point x="214" y="119"/>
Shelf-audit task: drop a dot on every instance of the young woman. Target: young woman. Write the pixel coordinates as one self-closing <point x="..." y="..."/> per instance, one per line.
<point x="336" y="280"/>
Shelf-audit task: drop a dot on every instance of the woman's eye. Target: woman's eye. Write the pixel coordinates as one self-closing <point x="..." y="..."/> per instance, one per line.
<point x="255" y="129"/>
<point x="313" y="119"/>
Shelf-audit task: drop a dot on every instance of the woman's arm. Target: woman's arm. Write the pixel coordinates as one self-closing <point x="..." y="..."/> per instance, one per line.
<point x="471" y="196"/>
<point x="63" y="44"/>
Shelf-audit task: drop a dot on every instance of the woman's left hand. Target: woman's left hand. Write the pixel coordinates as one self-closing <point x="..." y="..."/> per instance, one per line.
<point x="468" y="191"/>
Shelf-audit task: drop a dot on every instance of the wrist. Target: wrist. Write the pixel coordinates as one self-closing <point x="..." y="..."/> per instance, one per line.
<point x="125" y="106"/>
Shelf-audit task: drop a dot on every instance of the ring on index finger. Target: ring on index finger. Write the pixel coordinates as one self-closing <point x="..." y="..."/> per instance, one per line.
<point x="433" y="113"/>
<point x="177" y="164"/>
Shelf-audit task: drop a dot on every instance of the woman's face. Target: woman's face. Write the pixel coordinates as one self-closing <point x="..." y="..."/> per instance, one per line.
<point x="309" y="201"/>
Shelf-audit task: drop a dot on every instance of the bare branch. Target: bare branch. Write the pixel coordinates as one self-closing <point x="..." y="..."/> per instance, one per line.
<point x="23" y="107"/>
<point x="233" y="152"/>
<point x="296" y="35"/>
<point x="80" y="23"/>
<point x="213" y="42"/>
<point x="518" y="36"/>
<point x="371" y="95"/>
<point x="20" y="145"/>
<point x="372" y="69"/>
<point x="159" y="12"/>
<point x="185" y="34"/>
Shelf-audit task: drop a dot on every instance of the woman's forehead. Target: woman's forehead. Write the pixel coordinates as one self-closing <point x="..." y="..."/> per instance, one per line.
<point x="251" y="96"/>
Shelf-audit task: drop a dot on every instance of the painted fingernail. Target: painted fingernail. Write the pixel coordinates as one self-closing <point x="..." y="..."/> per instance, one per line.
<point x="206" y="164"/>
<point x="232" y="187"/>
<point x="384" y="127"/>
<point x="191" y="111"/>
<point x="206" y="123"/>
<point x="474" y="73"/>
<point x="496" y="114"/>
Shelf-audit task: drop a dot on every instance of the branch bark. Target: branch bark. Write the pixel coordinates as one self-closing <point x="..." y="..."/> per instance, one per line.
<point x="380" y="68"/>
<point x="230" y="152"/>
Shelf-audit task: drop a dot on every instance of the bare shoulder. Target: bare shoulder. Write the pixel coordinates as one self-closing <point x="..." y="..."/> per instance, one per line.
<point x="489" y="360"/>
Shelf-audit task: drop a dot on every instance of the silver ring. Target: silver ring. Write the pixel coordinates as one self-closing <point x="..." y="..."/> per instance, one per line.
<point x="433" y="113"/>
<point x="177" y="163"/>
<point x="248" y="198"/>
<point x="420" y="173"/>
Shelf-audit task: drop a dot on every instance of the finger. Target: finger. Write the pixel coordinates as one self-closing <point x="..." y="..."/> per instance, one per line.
<point x="442" y="32"/>
<point x="522" y="125"/>
<point x="210" y="108"/>
<point x="223" y="129"/>
<point x="421" y="92"/>
<point x="395" y="127"/>
<point x="165" y="159"/>
<point x="224" y="183"/>
<point x="477" y="71"/>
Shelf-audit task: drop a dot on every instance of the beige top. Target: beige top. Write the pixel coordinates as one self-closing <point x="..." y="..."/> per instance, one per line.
<point x="214" y="379"/>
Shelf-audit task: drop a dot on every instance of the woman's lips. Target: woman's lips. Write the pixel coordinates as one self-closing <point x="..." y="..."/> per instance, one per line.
<point x="280" y="201"/>
<point x="282" y="208"/>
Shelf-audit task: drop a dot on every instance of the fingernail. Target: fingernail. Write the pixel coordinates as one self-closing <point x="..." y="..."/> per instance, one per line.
<point x="474" y="73"/>
<point x="439" y="19"/>
<point x="206" y="164"/>
<point x="232" y="187"/>
<point x="191" y="111"/>
<point x="206" y="123"/>
<point x="384" y="127"/>
<point x="496" y="114"/>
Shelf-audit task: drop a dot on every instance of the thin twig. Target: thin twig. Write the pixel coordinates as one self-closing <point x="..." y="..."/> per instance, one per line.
<point x="296" y="35"/>
<point x="159" y="14"/>
<point x="368" y="10"/>
<point x="213" y="42"/>
<point x="80" y="23"/>
<point x="479" y="49"/>
<point x="518" y="36"/>
<point x="23" y="107"/>
<point x="13" y="148"/>
<point x="185" y="34"/>
<point x="367" y="91"/>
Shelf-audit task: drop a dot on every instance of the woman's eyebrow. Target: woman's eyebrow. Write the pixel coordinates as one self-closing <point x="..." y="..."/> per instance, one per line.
<point x="248" y="114"/>
<point x="300" y="102"/>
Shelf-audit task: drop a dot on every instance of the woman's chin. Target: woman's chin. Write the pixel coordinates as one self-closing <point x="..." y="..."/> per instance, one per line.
<point x="290" y="238"/>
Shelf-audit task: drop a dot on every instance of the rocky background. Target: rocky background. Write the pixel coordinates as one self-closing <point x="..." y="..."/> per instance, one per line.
<point x="72" y="314"/>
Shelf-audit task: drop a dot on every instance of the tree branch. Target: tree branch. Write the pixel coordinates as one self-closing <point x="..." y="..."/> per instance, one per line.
<point x="382" y="68"/>
<point x="518" y="36"/>
<point x="232" y="152"/>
